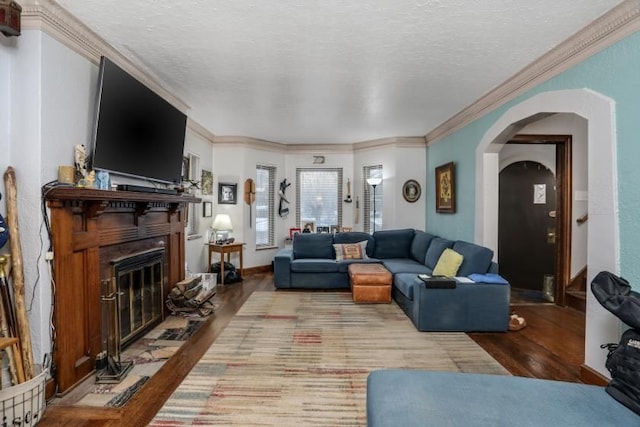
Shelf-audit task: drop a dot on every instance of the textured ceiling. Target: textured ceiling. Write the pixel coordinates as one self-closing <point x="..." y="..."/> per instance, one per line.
<point x="332" y="71"/>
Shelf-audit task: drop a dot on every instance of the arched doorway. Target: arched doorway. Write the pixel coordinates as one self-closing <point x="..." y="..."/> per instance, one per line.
<point x="603" y="238"/>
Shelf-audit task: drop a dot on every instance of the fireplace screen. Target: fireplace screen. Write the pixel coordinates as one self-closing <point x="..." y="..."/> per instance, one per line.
<point x="139" y="281"/>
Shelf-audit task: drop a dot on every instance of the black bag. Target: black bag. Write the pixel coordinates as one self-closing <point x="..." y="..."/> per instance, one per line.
<point x="623" y="362"/>
<point x="615" y="294"/>
<point x="231" y="275"/>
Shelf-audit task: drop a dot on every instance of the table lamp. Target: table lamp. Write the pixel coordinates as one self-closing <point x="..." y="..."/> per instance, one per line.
<point x="221" y="226"/>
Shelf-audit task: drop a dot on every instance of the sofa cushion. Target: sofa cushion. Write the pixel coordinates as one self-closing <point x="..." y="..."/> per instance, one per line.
<point x="314" y="266"/>
<point x="343" y="266"/>
<point x="436" y="247"/>
<point x="405" y="265"/>
<point x="448" y="264"/>
<point x="355" y="237"/>
<point x="310" y="245"/>
<point x="393" y="243"/>
<point x="477" y="259"/>
<point x="419" y="245"/>
<point x="405" y="283"/>
<point x="350" y="250"/>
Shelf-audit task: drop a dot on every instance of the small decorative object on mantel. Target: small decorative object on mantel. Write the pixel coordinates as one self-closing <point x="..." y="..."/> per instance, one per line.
<point x="446" y="188"/>
<point x="411" y="191"/>
<point x="348" y="199"/>
<point x="10" y="18"/>
<point x="318" y="160"/>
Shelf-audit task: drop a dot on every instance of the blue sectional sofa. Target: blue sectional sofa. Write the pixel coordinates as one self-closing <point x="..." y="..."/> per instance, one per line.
<point x="311" y="264"/>
<point x="422" y="398"/>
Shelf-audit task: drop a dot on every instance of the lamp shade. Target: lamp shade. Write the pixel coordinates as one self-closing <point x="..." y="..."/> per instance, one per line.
<point x="222" y="222"/>
<point x="374" y="181"/>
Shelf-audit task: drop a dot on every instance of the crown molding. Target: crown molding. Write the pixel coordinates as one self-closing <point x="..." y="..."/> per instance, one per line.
<point x="248" y="142"/>
<point x="620" y="22"/>
<point x="49" y="17"/>
<point x="395" y="142"/>
<point x="200" y="130"/>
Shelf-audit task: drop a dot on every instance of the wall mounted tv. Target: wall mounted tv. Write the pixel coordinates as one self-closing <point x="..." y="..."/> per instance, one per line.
<point x="137" y="133"/>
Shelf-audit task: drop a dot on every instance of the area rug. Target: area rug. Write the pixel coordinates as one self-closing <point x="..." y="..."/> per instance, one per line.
<point x="302" y="358"/>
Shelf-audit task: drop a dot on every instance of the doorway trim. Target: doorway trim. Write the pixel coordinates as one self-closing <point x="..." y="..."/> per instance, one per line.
<point x="563" y="180"/>
<point x="603" y="252"/>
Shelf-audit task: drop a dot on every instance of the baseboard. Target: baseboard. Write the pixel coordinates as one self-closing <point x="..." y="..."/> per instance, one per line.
<point x="258" y="269"/>
<point x="590" y="376"/>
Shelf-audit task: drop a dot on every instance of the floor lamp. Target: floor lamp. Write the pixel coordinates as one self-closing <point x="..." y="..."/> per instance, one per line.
<point x="374" y="182"/>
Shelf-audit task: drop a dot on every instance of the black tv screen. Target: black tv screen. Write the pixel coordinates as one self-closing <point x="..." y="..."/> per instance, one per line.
<point x="137" y="133"/>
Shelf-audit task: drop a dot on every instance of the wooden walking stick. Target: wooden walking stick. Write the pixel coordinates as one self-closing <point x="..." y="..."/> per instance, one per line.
<point x="12" y="349"/>
<point x="22" y="320"/>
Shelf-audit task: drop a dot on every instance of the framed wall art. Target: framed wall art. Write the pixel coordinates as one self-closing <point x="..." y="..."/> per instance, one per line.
<point x="411" y="191"/>
<point x="446" y="188"/>
<point x="227" y="193"/>
<point x="207" y="183"/>
<point x="207" y="209"/>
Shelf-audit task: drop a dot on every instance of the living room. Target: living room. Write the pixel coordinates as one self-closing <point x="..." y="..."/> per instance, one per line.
<point x="52" y="69"/>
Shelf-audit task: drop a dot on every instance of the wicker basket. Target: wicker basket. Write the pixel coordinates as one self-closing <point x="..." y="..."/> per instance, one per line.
<point x="24" y="404"/>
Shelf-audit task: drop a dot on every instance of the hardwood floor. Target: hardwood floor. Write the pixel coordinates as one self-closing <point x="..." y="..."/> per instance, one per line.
<point x="551" y="346"/>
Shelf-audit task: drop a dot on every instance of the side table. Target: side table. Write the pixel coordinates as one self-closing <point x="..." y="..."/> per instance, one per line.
<point x="228" y="249"/>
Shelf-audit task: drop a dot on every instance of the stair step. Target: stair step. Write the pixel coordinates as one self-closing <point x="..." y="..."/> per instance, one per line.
<point x="576" y="300"/>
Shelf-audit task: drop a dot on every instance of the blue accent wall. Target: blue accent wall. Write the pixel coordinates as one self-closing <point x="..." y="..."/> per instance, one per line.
<point x="613" y="72"/>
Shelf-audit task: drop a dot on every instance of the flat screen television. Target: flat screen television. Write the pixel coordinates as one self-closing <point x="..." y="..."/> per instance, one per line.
<point x="136" y="133"/>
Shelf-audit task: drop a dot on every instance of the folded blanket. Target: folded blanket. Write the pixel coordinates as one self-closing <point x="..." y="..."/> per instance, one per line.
<point x="488" y="278"/>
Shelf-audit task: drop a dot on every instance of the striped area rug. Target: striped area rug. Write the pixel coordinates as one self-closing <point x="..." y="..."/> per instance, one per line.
<point x="302" y="358"/>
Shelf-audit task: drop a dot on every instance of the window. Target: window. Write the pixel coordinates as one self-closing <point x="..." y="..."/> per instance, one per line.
<point x="193" y="221"/>
<point x="372" y="206"/>
<point x="265" y="205"/>
<point x="319" y="197"/>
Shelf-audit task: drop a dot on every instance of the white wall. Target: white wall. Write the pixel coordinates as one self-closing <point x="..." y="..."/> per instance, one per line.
<point x="196" y="256"/>
<point x="234" y="163"/>
<point x="50" y="95"/>
<point x="399" y="164"/>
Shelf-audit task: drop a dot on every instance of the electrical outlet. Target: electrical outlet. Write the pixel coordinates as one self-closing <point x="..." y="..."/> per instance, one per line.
<point x="48" y="256"/>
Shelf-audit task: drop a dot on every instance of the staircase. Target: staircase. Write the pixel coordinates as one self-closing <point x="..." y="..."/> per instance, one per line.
<point x="576" y="292"/>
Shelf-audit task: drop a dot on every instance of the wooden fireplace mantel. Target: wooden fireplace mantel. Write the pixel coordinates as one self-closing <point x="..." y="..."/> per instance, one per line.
<point x="88" y="229"/>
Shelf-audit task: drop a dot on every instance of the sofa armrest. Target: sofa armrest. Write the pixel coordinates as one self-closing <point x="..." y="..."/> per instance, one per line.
<point x="282" y="268"/>
<point x="493" y="268"/>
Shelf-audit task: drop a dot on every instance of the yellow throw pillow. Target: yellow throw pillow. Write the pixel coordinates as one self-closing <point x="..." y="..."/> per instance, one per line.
<point x="448" y="263"/>
<point x="351" y="250"/>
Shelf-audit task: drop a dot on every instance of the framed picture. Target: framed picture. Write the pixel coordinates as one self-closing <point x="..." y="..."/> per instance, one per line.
<point x="446" y="188"/>
<point x="335" y="229"/>
<point x="411" y="191"/>
<point x="227" y="193"/>
<point x="207" y="209"/>
<point x="293" y="232"/>
<point x="346" y="229"/>
<point x="308" y="226"/>
<point x="207" y="183"/>
<point x="322" y="229"/>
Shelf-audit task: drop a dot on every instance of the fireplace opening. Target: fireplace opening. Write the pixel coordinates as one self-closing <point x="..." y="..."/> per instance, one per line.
<point x="139" y="284"/>
<point x="132" y="303"/>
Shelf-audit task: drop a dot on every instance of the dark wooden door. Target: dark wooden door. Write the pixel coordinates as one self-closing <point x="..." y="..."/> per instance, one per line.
<point x="526" y="224"/>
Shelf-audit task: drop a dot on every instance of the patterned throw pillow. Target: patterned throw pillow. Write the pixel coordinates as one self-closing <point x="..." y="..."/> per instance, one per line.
<point x="448" y="264"/>
<point x="351" y="251"/>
